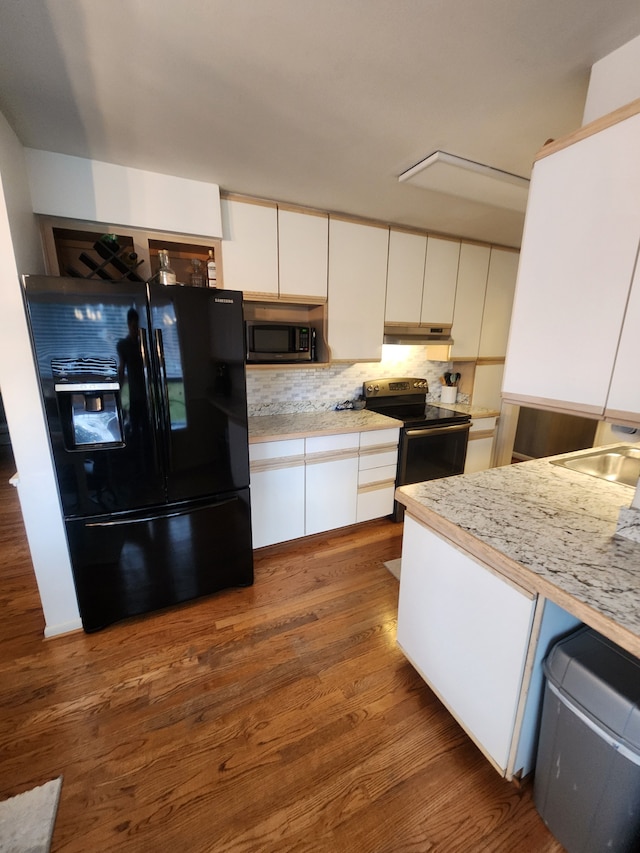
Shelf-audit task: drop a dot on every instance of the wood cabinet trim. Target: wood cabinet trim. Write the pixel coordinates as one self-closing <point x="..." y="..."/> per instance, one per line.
<point x="247" y="199"/>
<point x="259" y="465"/>
<point x="488" y="359"/>
<point x="374" y="449"/>
<point x="481" y="433"/>
<point x="320" y="456"/>
<point x="377" y="485"/>
<point x="308" y="211"/>
<point x="616" y="416"/>
<point x="551" y="405"/>
<point x="595" y="126"/>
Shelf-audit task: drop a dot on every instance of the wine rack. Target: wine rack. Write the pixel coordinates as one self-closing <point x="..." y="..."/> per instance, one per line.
<point x="109" y="257"/>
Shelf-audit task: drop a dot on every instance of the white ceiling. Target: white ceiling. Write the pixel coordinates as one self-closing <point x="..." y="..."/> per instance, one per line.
<point x="317" y="102"/>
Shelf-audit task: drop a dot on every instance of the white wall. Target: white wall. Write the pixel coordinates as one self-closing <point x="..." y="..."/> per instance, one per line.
<point x="20" y="252"/>
<point x="77" y="188"/>
<point x="614" y="81"/>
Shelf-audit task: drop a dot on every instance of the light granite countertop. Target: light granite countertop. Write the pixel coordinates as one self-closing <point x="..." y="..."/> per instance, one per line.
<point x="300" y="425"/>
<point x="549" y="529"/>
<point x="469" y="409"/>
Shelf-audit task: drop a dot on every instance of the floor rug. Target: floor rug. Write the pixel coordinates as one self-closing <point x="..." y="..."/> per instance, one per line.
<point x="26" y="820"/>
<point x="394" y="567"/>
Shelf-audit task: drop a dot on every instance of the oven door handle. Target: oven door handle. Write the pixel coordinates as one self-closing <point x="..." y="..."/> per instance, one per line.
<point x="418" y="433"/>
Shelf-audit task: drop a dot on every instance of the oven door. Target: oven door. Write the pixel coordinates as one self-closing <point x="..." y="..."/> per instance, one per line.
<point x="428" y="453"/>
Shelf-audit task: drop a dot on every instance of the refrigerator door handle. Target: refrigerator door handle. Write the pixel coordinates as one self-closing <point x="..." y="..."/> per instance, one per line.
<point x="164" y="397"/>
<point x="151" y="400"/>
<point x="117" y="522"/>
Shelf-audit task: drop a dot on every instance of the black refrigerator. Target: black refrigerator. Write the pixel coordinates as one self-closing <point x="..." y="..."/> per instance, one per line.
<point x="145" y="399"/>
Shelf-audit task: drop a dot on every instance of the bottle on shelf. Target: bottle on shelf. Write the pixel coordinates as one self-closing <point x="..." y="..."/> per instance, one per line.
<point x="165" y="274"/>
<point x="211" y="270"/>
<point x="197" y="278"/>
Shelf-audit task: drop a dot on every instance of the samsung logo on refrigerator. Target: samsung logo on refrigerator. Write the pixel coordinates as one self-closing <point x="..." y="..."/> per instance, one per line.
<point x="219" y="299"/>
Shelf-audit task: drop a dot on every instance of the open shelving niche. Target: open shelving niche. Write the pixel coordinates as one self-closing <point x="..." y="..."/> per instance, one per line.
<point x="65" y="240"/>
<point x="300" y="314"/>
<point x="75" y="248"/>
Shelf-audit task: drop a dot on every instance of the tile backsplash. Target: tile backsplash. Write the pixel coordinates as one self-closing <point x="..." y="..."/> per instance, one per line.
<point x="309" y="389"/>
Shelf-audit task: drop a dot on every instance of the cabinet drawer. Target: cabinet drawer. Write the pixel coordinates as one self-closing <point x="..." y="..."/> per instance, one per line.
<point x="375" y="501"/>
<point x="384" y="474"/>
<point x="325" y="443"/>
<point x="379" y="436"/>
<point x="276" y="449"/>
<point x="381" y="459"/>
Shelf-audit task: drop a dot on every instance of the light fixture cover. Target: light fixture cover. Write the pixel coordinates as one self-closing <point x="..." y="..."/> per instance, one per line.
<point x="446" y="173"/>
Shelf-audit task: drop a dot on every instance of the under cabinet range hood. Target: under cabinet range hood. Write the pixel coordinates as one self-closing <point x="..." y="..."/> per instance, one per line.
<point x="417" y="334"/>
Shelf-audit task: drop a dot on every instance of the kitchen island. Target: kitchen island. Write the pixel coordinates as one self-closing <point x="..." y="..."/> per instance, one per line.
<point x="495" y="566"/>
<point x="549" y="529"/>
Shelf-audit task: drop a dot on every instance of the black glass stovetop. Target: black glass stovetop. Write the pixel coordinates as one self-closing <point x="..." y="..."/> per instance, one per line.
<point x="416" y="414"/>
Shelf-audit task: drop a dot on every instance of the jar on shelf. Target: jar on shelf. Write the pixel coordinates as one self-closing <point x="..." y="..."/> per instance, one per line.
<point x="197" y="277"/>
<point x="165" y="274"/>
<point x="211" y="270"/>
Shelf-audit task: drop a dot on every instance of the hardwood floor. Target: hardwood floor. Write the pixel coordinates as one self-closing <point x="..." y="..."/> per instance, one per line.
<point x="277" y="718"/>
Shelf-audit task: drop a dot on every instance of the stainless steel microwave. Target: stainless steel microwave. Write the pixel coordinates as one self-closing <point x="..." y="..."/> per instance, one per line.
<point x="279" y="342"/>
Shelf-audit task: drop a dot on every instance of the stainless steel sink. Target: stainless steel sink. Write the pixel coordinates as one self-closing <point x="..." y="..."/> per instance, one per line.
<point x="616" y="464"/>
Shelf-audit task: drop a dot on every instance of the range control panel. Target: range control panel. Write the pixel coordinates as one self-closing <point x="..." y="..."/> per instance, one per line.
<point x="390" y="387"/>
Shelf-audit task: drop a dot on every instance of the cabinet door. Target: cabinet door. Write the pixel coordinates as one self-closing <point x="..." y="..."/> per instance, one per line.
<point x="624" y="394"/>
<point x="250" y="246"/>
<point x="277" y="490"/>
<point x="487" y="382"/>
<point x="467" y="632"/>
<point x="470" y="292"/>
<point x="578" y="252"/>
<point x="479" y="452"/>
<point x="498" y="302"/>
<point x="303" y="248"/>
<point x="277" y="504"/>
<point x="331" y="494"/>
<point x="440" y="279"/>
<point x="405" y="275"/>
<point x="357" y="284"/>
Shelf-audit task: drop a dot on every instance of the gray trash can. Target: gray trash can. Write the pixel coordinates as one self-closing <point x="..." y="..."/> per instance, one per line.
<point x="587" y="777"/>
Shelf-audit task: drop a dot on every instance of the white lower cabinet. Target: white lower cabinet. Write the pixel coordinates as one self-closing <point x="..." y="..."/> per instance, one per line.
<point x="466" y="630"/>
<point x="377" y="464"/>
<point x="479" y="641"/>
<point x="277" y="491"/>
<point x="331" y="491"/>
<point x="309" y="485"/>
<point x="480" y="446"/>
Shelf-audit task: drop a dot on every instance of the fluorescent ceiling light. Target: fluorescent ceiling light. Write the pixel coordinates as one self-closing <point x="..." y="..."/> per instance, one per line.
<point x="446" y="173"/>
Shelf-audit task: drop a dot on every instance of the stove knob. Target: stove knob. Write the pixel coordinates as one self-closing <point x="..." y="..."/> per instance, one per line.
<point x="369" y="388"/>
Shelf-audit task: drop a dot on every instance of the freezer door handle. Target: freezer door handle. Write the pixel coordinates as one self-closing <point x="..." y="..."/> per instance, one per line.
<point x="119" y="522"/>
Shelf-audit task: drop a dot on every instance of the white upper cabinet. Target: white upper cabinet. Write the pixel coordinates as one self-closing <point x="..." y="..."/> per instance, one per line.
<point x="357" y="283"/>
<point x="578" y="254"/>
<point x="405" y="276"/>
<point x="250" y="246"/>
<point x="421" y="279"/>
<point x="623" y="402"/>
<point x="498" y="303"/>
<point x="469" y="304"/>
<point x="440" y="279"/>
<point x="303" y="248"/>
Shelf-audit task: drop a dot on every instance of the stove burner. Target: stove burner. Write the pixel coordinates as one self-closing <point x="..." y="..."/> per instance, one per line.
<point x="405" y="398"/>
